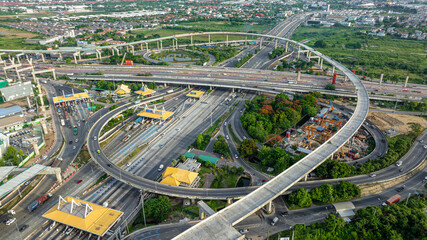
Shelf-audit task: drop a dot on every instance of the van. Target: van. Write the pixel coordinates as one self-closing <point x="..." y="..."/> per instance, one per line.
<point x="10" y="221"/>
<point x="399" y="163"/>
<point x="275" y="220"/>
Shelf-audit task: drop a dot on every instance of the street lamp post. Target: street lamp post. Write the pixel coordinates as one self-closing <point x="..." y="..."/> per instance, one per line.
<point x="142" y="202"/>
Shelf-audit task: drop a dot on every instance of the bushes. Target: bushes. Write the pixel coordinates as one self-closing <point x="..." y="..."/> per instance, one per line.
<point x="326" y="193"/>
<point x="202" y="141"/>
<point x="221" y="146"/>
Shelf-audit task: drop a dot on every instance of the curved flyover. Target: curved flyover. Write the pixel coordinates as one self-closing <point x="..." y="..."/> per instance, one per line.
<point x="268" y="191"/>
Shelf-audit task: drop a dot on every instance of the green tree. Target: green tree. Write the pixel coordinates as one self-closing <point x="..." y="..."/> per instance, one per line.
<point x="320" y="44"/>
<point x="199" y="141"/>
<point x="68" y="60"/>
<point x="300" y="197"/>
<point x="330" y="87"/>
<point x="248" y="148"/>
<point x="221" y="146"/>
<point x="158" y="208"/>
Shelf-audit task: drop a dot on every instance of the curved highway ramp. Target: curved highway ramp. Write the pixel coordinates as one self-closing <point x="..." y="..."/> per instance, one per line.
<point x="219" y="225"/>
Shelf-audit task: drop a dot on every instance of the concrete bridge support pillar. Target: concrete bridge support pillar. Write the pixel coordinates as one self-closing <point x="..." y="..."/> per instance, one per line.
<point x="299" y="51"/>
<point x="269" y="207"/>
<point x="286" y="48"/>
<point x="188" y="86"/>
<point x="19" y="60"/>
<point x="43" y="58"/>
<point x="381" y="78"/>
<point x="80" y="56"/>
<point x="202" y="214"/>
<point x="173" y="44"/>
<point x="299" y="76"/>
<point x="176" y="43"/>
<point x="191" y="40"/>
<point x="246" y="40"/>
<point x="60" y="55"/>
<point x="406" y="81"/>
<point x="321" y="63"/>
<point x="158" y="44"/>
<point x="229" y="201"/>
<point x="275" y="44"/>
<point x="210" y="87"/>
<point x="141" y="46"/>
<point x="226" y="40"/>
<point x="165" y="85"/>
<point x="345" y="78"/>
<point x="133" y="49"/>
<point x="127" y="48"/>
<point x="146" y="46"/>
<point x="309" y="56"/>
<point x="260" y="44"/>
<point x="75" y="59"/>
<point x="232" y="90"/>
<point x="333" y="70"/>
<point x="161" y="45"/>
<point x="209" y="39"/>
<point x="305" y="178"/>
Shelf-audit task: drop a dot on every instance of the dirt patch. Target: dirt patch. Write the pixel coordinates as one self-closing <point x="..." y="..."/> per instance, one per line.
<point x="7" y="33"/>
<point x="397" y="121"/>
<point x="208" y="180"/>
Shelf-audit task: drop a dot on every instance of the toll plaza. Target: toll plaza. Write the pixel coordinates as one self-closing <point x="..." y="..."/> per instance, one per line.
<point x="85" y="216"/>
<point x="195" y="94"/>
<point x="71" y="97"/>
<point x="154" y="114"/>
<point x="145" y="91"/>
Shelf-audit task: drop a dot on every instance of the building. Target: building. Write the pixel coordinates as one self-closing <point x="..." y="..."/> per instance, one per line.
<point x="155" y="114"/>
<point x="145" y="91"/>
<point x="10" y="111"/>
<point x="11" y="123"/>
<point x="189" y="165"/>
<point x="71" y="97"/>
<point x="82" y="215"/>
<point x="122" y="90"/>
<point x="179" y="177"/>
<point x="345" y="210"/>
<point x="17" y="91"/>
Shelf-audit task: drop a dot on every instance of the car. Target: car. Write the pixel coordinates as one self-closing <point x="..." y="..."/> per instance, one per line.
<point x="264" y="180"/>
<point x="244" y="230"/>
<point x="76" y="140"/>
<point x="401" y="170"/>
<point x="74" y="147"/>
<point x="421" y="141"/>
<point x="283" y="213"/>
<point x="128" y="164"/>
<point x="227" y="137"/>
<point x="236" y="156"/>
<point x="10" y="221"/>
<point x="98" y="151"/>
<point x="425" y="146"/>
<point x="109" y="165"/>
<point x="94" y="138"/>
<point x="160" y="168"/>
<point x="44" y="157"/>
<point x="27" y="182"/>
<point x="69" y="230"/>
<point x="70" y="142"/>
<point x="23" y="227"/>
<point x="400" y="189"/>
<point x="399" y="163"/>
<point x="79" y="181"/>
<point x="372" y="175"/>
<point x="11" y="211"/>
<point x="178" y="129"/>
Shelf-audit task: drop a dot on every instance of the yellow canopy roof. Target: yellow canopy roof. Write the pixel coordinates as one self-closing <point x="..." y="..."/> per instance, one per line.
<point x="180" y="175"/>
<point x="122" y="89"/>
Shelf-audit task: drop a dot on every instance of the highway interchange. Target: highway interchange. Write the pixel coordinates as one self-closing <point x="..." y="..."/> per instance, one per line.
<point x="173" y="143"/>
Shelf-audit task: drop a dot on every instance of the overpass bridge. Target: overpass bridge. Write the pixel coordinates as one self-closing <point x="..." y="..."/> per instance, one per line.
<point x="305" y="166"/>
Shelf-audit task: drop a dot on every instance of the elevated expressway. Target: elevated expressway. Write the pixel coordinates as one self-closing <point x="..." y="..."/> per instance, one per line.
<point x="277" y="185"/>
<point x="220" y="224"/>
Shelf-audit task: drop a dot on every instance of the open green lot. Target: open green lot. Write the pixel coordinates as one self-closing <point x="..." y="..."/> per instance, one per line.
<point x="15" y="39"/>
<point x="370" y="55"/>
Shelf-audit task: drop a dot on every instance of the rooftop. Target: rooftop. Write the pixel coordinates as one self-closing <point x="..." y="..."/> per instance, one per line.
<point x="20" y="179"/>
<point x="10" y="110"/>
<point x="17" y="91"/>
<point x="145" y="91"/>
<point x="70" y="97"/>
<point x="122" y="89"/>
<point x="176" y="176"/>
<point x="6" y="121"/>
<point x="83" y="215"/>
<point x="195" y="94"/>
<point x="155" y="113"/>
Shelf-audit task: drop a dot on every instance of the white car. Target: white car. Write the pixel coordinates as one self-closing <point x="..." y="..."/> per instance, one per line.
<point x="160" y="168"/>
<point x="10" y="221"/>
<point x="235" y="155"/>
<point x="425" y="146"/>
<point x="69" y="230"/>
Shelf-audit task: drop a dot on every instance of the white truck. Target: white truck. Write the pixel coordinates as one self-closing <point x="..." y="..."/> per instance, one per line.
<point x="275" y="220"/>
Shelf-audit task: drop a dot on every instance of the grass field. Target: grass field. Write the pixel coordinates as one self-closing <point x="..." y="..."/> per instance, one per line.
<point x="396" y="58"/>
<point x="15" y="39"/>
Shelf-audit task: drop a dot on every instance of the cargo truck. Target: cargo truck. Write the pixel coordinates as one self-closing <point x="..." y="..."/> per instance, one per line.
<point x="38" y="202"/>
<point x="394" y="199"/>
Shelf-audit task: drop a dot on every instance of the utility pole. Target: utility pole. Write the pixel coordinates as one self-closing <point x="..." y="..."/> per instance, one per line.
<point x="142" y="202"/>
<point x="407" y="199"/>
